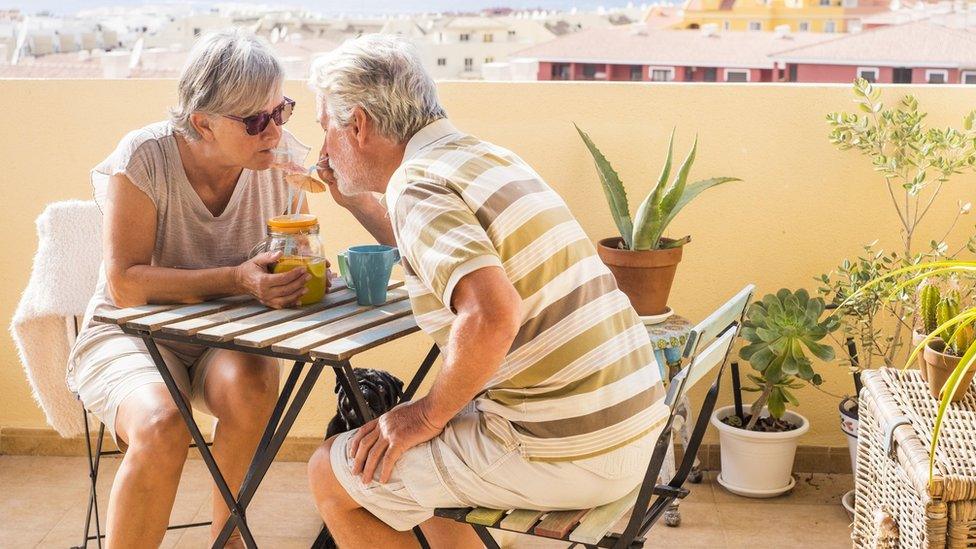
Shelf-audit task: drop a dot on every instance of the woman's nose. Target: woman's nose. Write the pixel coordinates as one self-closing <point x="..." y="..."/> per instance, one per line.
<point x="273" y="132"/>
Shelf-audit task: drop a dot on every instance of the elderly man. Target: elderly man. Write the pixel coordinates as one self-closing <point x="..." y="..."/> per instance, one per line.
<point x="549" y="396"/>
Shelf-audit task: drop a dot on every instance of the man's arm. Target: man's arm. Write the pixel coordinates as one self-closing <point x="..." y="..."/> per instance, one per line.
<point x="488" y="319"/>
<point x="373" y="216"/>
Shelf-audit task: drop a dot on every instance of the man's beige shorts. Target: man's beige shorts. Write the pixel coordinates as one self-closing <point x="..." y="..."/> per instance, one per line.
<point x="112" y="368"/>
<point x="463" y="467"/>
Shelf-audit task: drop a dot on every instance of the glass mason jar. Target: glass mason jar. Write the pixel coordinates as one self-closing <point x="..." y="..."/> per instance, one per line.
<point x="297" y="238"/>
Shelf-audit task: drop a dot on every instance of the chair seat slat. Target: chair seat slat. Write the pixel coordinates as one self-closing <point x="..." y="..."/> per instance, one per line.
<point x="520" y="520"/>
<point x="557" y="524"/>
<point x="484" y="516"/>
<point x="601" y="519"/>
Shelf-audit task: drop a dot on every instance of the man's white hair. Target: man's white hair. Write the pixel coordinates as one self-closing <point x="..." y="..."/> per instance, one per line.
<point x="228" y="72"/>
<point x="383" y="75"/>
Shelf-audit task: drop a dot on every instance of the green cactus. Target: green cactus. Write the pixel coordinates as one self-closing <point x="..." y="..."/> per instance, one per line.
<point x="961" y="340"/>
<point x="947" y="309"/>
<point x="929" y="300"/>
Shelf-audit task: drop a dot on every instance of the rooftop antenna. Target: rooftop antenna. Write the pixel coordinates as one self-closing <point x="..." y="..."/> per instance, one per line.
<point x="136" y="53"/>
<point x="21" y="40"/>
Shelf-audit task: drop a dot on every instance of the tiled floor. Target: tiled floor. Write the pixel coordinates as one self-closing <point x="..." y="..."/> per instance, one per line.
<point x="42" y="504"/>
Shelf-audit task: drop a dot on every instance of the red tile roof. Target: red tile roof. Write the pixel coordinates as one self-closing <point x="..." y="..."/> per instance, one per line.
<point x="916" y="44"/>
<point x="644" y="46"/>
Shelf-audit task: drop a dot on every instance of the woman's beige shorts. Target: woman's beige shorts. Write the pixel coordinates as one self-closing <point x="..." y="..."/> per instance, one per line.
<point x="463" y="467"/>
<point x="110" y="369"/>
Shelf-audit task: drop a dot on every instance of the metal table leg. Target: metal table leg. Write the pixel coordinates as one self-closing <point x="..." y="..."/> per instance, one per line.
<point x="272" y="440"/>
<point x="184" y="408"/>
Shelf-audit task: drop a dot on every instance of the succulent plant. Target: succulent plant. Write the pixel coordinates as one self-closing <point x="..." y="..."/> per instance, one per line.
<point x="781" y="329"/>
<point x="660" y="206"/>
<point x="928" y="302"/>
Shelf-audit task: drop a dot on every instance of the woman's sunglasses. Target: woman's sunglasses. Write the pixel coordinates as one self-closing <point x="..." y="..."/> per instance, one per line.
<point x="256" y="123"/>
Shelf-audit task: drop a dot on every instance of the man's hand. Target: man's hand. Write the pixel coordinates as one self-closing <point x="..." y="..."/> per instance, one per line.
<point x="381" y="442"/>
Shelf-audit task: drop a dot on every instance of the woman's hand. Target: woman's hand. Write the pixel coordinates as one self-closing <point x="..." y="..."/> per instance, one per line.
<point x="274" y="290"/>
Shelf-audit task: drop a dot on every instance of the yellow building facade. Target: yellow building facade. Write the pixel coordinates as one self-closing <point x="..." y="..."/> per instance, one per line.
<point x="765" y="15"/>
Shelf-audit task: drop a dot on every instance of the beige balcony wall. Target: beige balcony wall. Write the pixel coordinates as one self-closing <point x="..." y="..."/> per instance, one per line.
<point x="802" y="207"/>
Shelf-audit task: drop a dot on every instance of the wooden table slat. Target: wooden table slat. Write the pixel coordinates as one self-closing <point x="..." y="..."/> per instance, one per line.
<point x="230" y="330"/>
<point x="155" y="321"/>
<point x="121" y="316"/>
<point x="349" y="346"/>
<point x="366" y="318"/>
<point x="194" y="325"/>
<point x="278" y="332"/>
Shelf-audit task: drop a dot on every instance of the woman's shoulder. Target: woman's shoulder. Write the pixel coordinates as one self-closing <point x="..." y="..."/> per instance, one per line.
<point x="142" y="155"/>
<point x="154" y="136"/>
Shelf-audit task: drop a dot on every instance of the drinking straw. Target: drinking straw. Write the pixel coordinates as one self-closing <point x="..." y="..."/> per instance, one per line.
<point x="288" y="209"/>
<point x="301" y="202"/>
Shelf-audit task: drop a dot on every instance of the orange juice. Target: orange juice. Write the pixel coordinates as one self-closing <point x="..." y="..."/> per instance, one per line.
<point x="315" y="267"/>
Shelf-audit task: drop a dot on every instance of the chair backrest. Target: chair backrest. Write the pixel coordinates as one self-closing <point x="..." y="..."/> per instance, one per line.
<point x="709" y="343"/>
<point x="706" y="361"/>
<point x="715" y="323"/>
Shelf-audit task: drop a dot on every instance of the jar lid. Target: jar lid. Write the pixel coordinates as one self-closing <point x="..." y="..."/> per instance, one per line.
<point x="296" y="222"/>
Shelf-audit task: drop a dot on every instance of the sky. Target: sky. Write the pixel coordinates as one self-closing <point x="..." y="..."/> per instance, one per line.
<point x="67" y="7"/>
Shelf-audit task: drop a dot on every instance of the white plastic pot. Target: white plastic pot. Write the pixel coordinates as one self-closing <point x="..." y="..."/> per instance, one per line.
<point x="754" y="464"/>
<point x="849" y="424"/>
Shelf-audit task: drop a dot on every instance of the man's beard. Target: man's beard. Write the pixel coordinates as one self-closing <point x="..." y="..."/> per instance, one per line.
<point x="353" y="181"/>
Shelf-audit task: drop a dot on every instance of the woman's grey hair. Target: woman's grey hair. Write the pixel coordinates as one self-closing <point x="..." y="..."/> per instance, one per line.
<point x="228" y="72"/>
<point x="383" y="75"/>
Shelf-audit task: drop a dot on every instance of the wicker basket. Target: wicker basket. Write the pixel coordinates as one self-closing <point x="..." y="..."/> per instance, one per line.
<point x="892" y="485"/>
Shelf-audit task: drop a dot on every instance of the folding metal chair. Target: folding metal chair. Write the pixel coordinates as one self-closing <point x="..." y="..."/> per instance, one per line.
<point x="95" y="454"/>
<point x="708" y="347"/>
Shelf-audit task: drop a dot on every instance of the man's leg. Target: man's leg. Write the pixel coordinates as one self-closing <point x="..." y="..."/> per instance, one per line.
<point x="446" y="533"/>
<point x="350" y="524"/>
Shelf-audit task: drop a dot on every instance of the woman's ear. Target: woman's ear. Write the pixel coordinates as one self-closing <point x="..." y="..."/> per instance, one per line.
<point x="203" y="124"/>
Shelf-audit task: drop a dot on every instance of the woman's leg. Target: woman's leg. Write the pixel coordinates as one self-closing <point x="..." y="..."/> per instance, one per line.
<point x="240" y="390"/>
<point x="145" y="485"/>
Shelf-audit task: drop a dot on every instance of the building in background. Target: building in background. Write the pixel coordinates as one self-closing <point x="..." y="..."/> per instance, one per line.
<point x="460" y="47"/>
<point x="638" y="53"/>
<point x="921" y="52"/>
<point x="826" y="16"/>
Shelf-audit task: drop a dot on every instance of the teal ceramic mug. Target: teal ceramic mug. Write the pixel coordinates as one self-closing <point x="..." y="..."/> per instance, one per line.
<point x="366" y="270"/>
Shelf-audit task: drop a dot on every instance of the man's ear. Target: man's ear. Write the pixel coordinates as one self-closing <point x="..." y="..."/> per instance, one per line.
<point x="362" y="126"/>
<point x="203" y="124"/>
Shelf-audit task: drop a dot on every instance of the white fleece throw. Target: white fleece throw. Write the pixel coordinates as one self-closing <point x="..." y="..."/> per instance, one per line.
<point x="62" y="281"/>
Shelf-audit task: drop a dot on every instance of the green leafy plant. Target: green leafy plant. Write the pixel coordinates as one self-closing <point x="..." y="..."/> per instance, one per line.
<point x="955" y="325"/>
<point x="862" y="318"/>
<point x="780" y="330"/>
<point x="659" y="208"/>
<point x="915" y="162"/>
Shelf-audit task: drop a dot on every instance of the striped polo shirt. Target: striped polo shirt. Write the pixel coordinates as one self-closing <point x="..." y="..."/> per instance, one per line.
<point x="580" y="378"/>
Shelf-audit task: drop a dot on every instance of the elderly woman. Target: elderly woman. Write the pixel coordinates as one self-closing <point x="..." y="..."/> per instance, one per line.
<point x="185" y="201"/>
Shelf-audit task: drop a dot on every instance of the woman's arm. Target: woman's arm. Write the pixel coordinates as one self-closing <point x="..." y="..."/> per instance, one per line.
<point x="129" y="236"/>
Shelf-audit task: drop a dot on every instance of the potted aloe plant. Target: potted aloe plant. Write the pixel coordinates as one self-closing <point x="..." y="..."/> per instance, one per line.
<point x="757" y="450"/>
<point x="642" y="258"/>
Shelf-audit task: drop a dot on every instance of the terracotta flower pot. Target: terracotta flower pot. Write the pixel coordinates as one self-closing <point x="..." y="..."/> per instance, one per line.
<point x="917" y="338"/>
<point x="644" y="276"/>
<point x="940" y="366"/>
